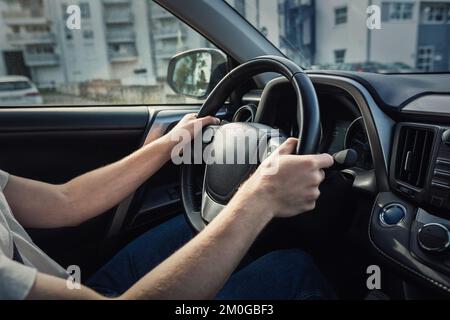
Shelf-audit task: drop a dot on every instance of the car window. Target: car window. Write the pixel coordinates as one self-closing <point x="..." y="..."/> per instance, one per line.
<point x="13" y="86"/>
<point x="381" y="36"/>
<point x="94" y="52"/>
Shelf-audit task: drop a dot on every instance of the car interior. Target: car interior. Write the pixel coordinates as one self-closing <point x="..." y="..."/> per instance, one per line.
<point x="389" y="205"/>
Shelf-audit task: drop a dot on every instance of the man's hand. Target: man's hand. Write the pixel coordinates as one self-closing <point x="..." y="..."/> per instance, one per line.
<point x="294" y="189"/>
<point x="41" y="205"/>
<point x="191" y="125"/>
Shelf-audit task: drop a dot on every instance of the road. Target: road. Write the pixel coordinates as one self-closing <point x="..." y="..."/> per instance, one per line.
<point x="55" y="98"/>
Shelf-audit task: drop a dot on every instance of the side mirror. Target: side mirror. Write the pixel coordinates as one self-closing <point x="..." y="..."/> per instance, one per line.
<point x="195" y="73"/>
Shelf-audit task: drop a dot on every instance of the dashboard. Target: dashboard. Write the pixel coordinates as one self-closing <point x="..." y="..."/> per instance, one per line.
<point x="352" y="135"/>
<point x="400" y="128"/>
<point x="342" y="125"/>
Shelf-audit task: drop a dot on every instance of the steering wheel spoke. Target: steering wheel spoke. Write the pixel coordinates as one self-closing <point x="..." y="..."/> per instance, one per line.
<point x="210" y="208"/>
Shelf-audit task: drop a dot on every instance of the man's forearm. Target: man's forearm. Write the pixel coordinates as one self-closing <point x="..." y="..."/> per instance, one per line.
<point x="41" y="205"/>
<point x="201" y="268"/>
<point x="88" y="195"/>
<point x="196" y="271"/>
<point x="102" y="189"/>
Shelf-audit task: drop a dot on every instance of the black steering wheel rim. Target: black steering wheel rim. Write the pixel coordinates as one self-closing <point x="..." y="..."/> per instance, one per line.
<point x="308" y="116"/>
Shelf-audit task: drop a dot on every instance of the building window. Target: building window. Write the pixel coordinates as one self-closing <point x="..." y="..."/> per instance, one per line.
<point x="85" y="10"/>
<point x="340" y="15"/>
<point x="435" y="13"/>
<point x="69" y="35"/>
<point x="397" y="11"/>
<point x="88" y="34"/>
<point x="425" y="58"/>
<point x="40" y="49"/>
<point x="339" y="56"/>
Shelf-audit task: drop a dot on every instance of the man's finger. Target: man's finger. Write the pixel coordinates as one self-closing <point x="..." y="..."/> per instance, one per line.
<point x="209" y="120"/>
<point x="287" y="147"/>
<point x="323" y="160"/>
<point x="191" y="116"/>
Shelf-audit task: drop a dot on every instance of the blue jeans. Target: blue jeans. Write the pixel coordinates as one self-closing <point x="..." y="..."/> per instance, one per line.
<point x="284" y="274"/>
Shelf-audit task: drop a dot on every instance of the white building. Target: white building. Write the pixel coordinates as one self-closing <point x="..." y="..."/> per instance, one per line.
<point x="29" y="42"/>
<point x="261" y="14"/>
<point x="412" y="32"/>
<point x="130" y="41"/>
<point x="341" y="31"/>
<point x="169" y="36"/>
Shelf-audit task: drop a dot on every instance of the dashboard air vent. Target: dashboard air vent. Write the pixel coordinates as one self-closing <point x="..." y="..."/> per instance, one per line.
<point x="414" y="155"/>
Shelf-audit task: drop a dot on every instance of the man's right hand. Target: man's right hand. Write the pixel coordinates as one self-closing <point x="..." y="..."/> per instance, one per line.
<point x="293" y="189"/>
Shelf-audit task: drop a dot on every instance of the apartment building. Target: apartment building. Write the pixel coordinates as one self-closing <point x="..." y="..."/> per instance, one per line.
<point x="29" y="42"/>
<point x="298" y="30"/>
<point x="130" y="41"/>
<point x="412" y="32"/>
<point x="433" y="52"/>
<point x="168" y="36"/>
<point x="341" y="31"/>
<point x="262" y="15"/>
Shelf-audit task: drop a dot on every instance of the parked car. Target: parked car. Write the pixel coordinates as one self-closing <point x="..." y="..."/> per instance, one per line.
<point x="18" y="90"/>
<point x="399" y="67"/>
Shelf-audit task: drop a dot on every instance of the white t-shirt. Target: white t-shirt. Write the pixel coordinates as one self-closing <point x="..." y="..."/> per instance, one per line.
<point x="16" y="279"/>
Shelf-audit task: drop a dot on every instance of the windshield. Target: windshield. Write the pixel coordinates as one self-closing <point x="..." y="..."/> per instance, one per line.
<point x="356" y="35"/>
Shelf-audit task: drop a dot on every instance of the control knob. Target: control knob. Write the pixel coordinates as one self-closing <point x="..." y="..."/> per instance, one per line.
<point x="434" y="237"/>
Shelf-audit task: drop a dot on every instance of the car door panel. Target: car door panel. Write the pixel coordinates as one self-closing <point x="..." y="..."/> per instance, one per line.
<point x="72" y="118"/>
<point x="56" y="144"/>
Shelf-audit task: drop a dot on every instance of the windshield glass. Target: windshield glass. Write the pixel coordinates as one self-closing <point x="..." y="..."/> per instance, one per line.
<point x="356" y="35"/>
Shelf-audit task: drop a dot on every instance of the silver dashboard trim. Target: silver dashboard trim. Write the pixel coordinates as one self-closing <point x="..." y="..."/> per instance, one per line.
<point x="429" y="249"/>
<point x="432" y="104"/>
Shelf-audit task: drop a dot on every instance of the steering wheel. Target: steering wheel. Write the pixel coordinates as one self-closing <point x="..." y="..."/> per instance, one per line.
<point x="221" y="181"/>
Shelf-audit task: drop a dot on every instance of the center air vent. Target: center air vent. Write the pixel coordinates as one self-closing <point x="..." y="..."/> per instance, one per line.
<point x="414" y="153"/>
